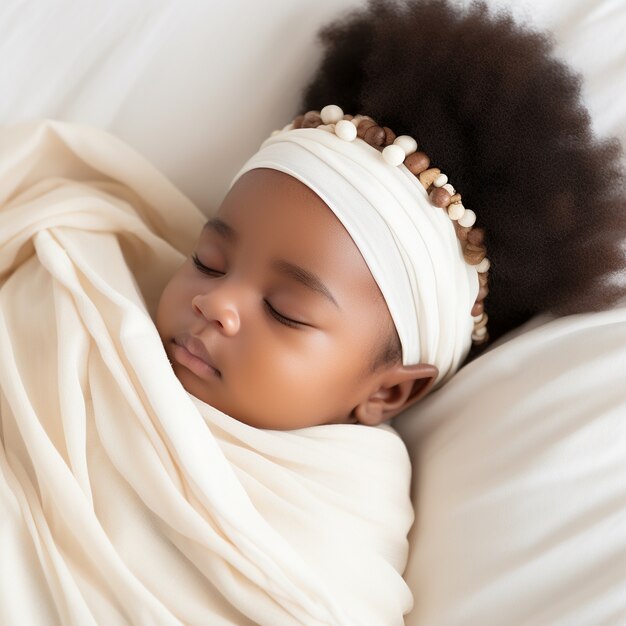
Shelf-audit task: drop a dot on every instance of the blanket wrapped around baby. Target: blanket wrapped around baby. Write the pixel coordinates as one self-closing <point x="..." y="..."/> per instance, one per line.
<point x="123" y="498"/>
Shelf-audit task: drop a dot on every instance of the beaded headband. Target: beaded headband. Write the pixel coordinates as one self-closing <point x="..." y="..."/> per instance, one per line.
<point x="402" y="149"/>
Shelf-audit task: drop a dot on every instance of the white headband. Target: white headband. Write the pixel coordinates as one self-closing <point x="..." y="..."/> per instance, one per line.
<point x="410" y="247"/>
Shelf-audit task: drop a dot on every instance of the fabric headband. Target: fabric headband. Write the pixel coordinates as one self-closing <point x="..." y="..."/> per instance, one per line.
<point x="411" y="249"/>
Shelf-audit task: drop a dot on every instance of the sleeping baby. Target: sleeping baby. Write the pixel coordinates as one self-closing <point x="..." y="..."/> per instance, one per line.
<point x="301" y="303"/>
<point x="276" y="318"/>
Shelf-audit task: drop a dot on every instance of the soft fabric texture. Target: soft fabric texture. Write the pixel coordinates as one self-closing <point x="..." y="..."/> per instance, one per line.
<point x="409" y="245"/>
<point x="124" y="499"/>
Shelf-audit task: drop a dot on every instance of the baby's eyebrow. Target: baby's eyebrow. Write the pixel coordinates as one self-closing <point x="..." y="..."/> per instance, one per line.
<point x="221" y="228"/>
<point x="307" y="278"/>
<point x="296" y="272"/>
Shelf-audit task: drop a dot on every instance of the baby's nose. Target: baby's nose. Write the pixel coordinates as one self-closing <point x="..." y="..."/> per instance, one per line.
<point x="224" y="314"/>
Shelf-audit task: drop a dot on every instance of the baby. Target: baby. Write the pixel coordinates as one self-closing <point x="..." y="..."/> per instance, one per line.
<point x="276" y="319"/>
<point x="343" y="278"/>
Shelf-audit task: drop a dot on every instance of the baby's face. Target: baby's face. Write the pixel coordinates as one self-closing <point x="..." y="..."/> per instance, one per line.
<point x="282" y="304"/>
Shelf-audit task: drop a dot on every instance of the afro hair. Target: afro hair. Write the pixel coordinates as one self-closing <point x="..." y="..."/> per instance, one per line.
<point x="492" y="106"/>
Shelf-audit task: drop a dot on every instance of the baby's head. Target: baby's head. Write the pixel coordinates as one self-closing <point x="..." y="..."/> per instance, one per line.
<point x="288" y="313"/>
<point x="296" y="309"/>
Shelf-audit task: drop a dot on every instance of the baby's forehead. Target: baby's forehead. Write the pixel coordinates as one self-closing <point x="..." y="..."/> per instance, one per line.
<point x="263" y="197"/>
<point x="270" y="185"/>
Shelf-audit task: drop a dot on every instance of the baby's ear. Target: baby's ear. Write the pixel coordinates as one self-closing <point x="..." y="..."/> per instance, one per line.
<point x="398" y="388"/>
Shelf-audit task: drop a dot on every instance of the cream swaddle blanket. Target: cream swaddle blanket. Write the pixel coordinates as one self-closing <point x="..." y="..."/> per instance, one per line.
<point x="123" y="498"/>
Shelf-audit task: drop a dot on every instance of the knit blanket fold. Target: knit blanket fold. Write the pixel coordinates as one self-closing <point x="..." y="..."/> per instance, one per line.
<point x="123" y="498"/>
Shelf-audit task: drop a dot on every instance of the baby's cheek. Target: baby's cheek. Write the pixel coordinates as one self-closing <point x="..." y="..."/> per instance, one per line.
<point x="172" y="304"/>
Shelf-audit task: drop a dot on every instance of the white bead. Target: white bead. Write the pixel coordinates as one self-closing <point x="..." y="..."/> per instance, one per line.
<point x="288" y="126"/>
<point x="346" y="130"/>
<point x="456" y="210"/>
<point x="407" y="143"/>
<point x="483" y="266"/>
<point x="468" y="219"/>
<point x="275" y="132"/>
<point x="441" y="180"/>
<point x="449" y="188"/>
<point x="480" y="333"/>
<point x="394" y="155"/>
<point x="331" y="114"/>
<point x="478" y="318"/>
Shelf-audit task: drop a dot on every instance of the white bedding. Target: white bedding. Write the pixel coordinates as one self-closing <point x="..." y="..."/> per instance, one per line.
<point x="518" y="485"/>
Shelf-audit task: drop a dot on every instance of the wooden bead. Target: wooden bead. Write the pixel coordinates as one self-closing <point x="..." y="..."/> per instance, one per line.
<point x="461" y="231"/>
<point x="312" y="119"/>
<point x="297" y="123"/>
<point x="483" y="278"/>
<point x="440" y="197"/>
<point x="417" y="162"/>
<point x="456" y="211"/>
<point x="356" y="119"/>
<point x="482" y="292"/>
<point x="390" y="136"/>
<point x="476" y="236"/>
<point x="456" y="198"/>
<point x="478" y="308"/>
<point x="364" y="125"/>
<point x="375" y="136"/>
<point x="348" y="117"/>
<point x="474" y="254"/>
<point x="427" y="177"/>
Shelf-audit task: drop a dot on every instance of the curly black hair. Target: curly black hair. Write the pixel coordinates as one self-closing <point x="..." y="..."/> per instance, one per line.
<point x="490" y="104"/>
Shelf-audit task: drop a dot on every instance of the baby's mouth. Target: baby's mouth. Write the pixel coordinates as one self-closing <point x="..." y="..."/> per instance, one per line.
<point x="191" y="352"/>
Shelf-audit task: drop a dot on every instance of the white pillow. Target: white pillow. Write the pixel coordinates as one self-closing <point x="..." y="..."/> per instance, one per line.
<point x="519" y="482"/>
<point x="519" y="462"/>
